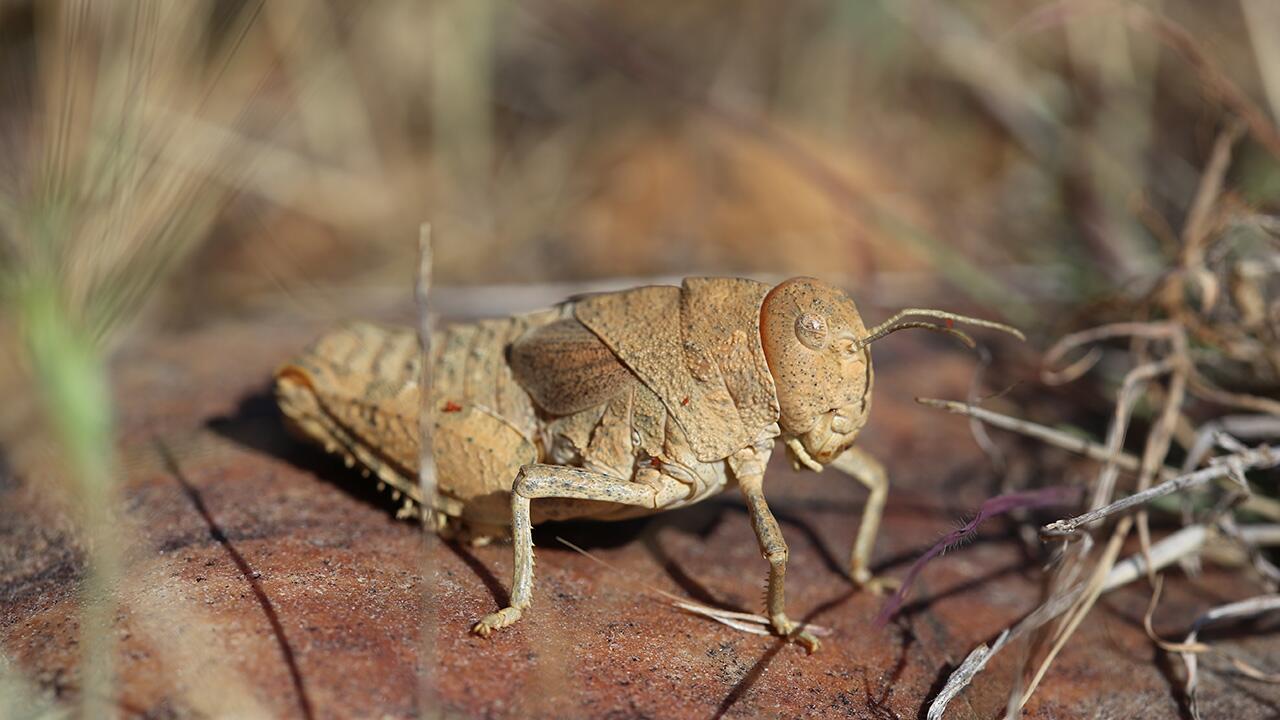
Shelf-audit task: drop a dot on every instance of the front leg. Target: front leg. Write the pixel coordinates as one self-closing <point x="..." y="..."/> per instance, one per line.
<point x="868" y="471"/>
<point x="774" y="549"/>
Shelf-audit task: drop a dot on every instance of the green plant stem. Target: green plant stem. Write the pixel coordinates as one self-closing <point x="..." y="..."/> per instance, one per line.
<point x="72" y="380"/>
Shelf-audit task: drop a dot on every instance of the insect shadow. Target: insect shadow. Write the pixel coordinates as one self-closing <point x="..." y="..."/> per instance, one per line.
<point x="258" y="425"/>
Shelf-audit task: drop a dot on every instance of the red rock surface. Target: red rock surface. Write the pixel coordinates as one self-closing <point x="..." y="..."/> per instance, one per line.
<point x="266" y="579"/>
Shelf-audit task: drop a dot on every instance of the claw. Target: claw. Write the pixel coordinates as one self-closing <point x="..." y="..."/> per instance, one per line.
<point x="806" y="640"/>
<point x="496" y="621"/>
<point x="881" y="584"/>
<point x="792" y="631"/>
<point x="875" y="584"/>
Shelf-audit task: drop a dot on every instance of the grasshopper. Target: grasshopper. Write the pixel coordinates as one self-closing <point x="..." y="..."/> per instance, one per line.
<point x="610" y="406"/>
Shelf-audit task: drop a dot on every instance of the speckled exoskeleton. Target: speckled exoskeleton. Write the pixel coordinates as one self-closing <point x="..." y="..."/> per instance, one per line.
<point x="609" y="406"/>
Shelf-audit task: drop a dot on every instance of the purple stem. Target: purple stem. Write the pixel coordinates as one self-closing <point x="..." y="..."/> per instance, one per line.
<point x="1047" y="497"/>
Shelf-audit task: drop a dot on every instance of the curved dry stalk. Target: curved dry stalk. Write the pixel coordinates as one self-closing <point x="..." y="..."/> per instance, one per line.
<point x="1205" y="389"/>
<point x="1196" y="230"/>
<point x="1177" y="363"/>
<point x="1158" y="441"/>
<point x="1073" y="371"/>
<point x="1182" y="647"/>
<point x="1130" y="388"/>
<point x="1243" y="608"/>
<point x="1216" y="82"/>
<point x="1163" y="330"/>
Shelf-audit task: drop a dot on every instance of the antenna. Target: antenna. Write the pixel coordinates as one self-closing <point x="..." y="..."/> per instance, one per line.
<point x="895" y="323"/>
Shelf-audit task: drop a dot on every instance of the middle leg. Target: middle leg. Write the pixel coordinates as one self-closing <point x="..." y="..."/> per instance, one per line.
<point x="868" y="471"/>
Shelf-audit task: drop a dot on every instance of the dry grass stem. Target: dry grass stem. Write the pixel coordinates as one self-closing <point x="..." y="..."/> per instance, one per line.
<point x="1267" y="570"/>
<point x="1197" y="230"/>
<point x="1059" y="350"/>
<point x="962" y="676"/>
<point x="1178" y="365"/>
<point x="1259" y="458"/>
<point x="1172" y="359"/>
<point x="1164" y="553"/>
<point x="978" y="659"/>
<point x="1240" y="426"/>
<point x="1083" y="604"/>
<point x="426" y="473"/>
<point x="1186" y="542"/>
<point x="1057" y="438"/>
<point x="1190" y="648"/>
<point x="1128" y="397"/>
<point x="745" y="622"/>
<point x="1093" y="450"/>
<point x="422" y="300"/>
<point x="1205" y="389"/>
<point x="1217" y="83"/>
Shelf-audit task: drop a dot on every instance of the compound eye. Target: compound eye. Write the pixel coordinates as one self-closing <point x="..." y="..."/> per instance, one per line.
<point x="811" y="330"/>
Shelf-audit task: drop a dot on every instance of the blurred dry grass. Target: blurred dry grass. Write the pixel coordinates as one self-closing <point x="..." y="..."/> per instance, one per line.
<point x="165" y="164"/>
<point x="580" y="141"/>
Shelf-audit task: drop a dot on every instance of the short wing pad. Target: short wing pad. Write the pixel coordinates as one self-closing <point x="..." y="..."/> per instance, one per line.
<point x="566" y="368"/>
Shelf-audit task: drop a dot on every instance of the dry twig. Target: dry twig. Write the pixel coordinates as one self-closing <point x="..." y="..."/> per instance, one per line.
<point x="1187" y="541"/>
<point x="1261" y="457"/>
<point x="1191" y="648"/>
<point x="1264" y="506"/>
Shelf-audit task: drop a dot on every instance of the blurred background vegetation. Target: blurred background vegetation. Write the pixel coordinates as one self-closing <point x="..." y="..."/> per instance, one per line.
<point x="1018" y="151"/>
<point x="167" y="164"/>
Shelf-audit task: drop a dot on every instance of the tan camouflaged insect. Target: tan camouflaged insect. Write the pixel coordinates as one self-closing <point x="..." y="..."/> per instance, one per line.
<point x="607" y="407"/>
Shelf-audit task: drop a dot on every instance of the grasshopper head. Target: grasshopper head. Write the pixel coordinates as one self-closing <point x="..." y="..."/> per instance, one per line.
<point x="819" y="356"/>
<point x="811" y="332"/>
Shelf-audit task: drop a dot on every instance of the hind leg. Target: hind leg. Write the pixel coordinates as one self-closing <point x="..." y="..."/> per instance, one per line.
<point x="546" y="482"/>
